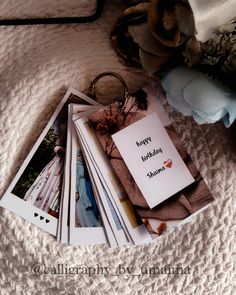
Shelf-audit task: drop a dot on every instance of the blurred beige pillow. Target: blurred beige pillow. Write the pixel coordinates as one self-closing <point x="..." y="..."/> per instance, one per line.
<point x="46" y="8"/>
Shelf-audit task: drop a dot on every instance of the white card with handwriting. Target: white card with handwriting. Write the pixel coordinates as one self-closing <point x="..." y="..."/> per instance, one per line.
<point x="152" y="159"/>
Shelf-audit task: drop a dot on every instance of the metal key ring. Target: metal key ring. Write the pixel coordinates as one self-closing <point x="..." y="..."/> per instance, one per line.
<point x="92" y="88"/>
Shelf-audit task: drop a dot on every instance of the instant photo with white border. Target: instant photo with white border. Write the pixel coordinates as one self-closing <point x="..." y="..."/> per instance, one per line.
<point x="27" y="209"/>
<point x="63" y="231"/>
<point x="78" y="111"/>
<point x="102" y="184"/>
<point x="137" y="231"/>
<point x="82" y="234"/>
<point x="118" y="230"/>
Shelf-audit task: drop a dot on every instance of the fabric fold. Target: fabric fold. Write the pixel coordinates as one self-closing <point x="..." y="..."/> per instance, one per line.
<point x="195" y="94"/>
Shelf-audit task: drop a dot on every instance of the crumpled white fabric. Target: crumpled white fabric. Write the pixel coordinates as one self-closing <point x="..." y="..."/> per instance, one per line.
<point x="211" y="14"/>
<point x="195" y="94"/>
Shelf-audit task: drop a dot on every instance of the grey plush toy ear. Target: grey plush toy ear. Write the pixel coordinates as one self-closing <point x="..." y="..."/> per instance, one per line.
<point x="50" y="12"/>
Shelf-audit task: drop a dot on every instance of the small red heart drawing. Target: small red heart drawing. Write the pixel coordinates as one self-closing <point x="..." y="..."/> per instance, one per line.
<point x="168" y="163"/>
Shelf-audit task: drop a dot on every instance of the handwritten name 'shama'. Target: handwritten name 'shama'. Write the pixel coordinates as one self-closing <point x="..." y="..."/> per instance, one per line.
<point x="151" y="154"/>
<point x="145" y="141"/>
<point x="151" y="174"/>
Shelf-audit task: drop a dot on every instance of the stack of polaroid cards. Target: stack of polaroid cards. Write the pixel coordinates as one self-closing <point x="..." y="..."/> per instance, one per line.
<point x="116" y="174"/>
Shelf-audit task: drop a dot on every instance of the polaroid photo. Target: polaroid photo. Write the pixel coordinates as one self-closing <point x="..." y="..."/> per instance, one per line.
<point x="79" y="111"/>
<point x="86" y="226"/>
<point x="63" y="225"/>
<point x="35" y="192"/>
<point x="118" y="230"/>
<point x="149" y="159"/>
<point x="63" y="229"/>
<point x="132" y="222"/>
<point x="104" y="191"/>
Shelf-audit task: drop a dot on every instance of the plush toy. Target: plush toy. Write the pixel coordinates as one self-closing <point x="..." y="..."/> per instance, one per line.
<point x="161" y="36"/>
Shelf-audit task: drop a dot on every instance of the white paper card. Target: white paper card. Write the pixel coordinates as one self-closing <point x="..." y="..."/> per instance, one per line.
<point x="152" y="159"/>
